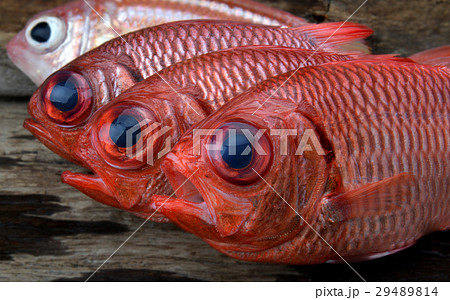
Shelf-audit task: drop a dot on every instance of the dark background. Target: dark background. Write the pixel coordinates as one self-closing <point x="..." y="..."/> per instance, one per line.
<point x="49" y="231"/>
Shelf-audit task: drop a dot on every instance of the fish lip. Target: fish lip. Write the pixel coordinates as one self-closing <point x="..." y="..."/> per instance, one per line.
<point x="194" y="197"/>
<point x="80" y="181"/>
<point x="86" y="183"/>
<point x="186" y="190"/>
<point x="39" y="132"/>
<point x="45" y="137"/>
<point x="9" y="48"/>
<point x="17" y="51"/>
<point x="96" y="188"/>
<point x="12" y="46"/>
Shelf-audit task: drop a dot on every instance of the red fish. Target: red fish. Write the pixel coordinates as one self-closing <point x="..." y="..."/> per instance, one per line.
<point x="53" y="38"/>
<point x="353" y="153"/>
<point x="65" y="102"/>
<point x="197" y="88"/>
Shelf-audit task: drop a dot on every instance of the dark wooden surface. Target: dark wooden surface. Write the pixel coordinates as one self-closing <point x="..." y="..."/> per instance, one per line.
<point x="51" y="232"/>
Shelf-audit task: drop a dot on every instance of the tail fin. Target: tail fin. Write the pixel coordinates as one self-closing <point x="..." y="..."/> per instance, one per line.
<point x="439" y="56"/>
<point x="342" y="37"/>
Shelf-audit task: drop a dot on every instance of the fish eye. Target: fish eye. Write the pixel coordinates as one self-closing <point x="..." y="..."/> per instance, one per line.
<point x="237" y="151"/>
<point x="125" y="135"/>
<point x="41" y="32"/>
<point x="46" y="33"/>
<point x="123" y="126"/>
<point x="244" y="152"/>
<point x="67" y="98"/>
<point x="64" y="96"/>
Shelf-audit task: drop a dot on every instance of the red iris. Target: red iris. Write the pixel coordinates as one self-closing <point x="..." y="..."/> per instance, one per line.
<point x="243" y="152"/>
<point x="67" y="98"/>
<point x="126" y="136"/>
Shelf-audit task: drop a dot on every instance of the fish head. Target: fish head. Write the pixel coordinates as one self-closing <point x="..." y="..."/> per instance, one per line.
<point x="63" y="104"/>
<point x="238" y="185"/>
<point x="55" y="37"/>
<point x="124" y="143"/>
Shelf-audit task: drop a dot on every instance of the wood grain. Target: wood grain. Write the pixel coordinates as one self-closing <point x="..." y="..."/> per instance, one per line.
<point x="49" y="231"/>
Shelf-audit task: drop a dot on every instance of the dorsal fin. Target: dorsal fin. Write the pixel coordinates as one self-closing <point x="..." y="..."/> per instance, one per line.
<point x="341" y="37"/>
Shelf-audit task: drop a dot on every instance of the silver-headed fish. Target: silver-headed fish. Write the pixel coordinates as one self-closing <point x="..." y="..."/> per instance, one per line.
<point x="55" y="37"/>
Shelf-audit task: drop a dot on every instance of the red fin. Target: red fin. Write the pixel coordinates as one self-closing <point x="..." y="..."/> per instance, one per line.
<point x="370" y="200"/>
<point x="174" y="208"/>
<point x="365" y="257"/>
<point x="228" y="223"/>
<point x="339" y="37"/>
<point x="437" y="56"/>
<point x="381" y="57"/>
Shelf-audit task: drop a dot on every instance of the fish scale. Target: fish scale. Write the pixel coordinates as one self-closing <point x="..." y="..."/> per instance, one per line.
<point x="340" y="123"/>
<point x="153" y="50"/>
<point x="383" y="184"/>
<point x="181" y="41"/>
<point x="117" y="65"/>
<point x="209" y="75"/>
<point x="206" y="82"/>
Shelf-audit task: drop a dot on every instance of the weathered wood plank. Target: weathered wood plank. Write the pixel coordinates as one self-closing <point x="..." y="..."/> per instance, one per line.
<point x="50" y="231"/>
<point x="403" y="26"/>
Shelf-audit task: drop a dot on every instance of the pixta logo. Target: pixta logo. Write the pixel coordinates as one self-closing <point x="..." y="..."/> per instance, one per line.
<point x="143" y="148"/>
<point x="308" y="141"/>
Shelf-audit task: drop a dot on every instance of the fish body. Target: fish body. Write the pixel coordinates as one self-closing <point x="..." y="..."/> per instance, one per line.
<point x="370" y="178"/>
<point x="190" y="91"/>
<point x="67" y="99"/>
<point x="78" y="27"/>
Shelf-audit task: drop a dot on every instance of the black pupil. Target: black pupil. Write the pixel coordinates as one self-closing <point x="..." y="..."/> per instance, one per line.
<point x="124" y="128"/>
<point x="237" y="151"/>
<point x="41" y="32"/>
<point x="64" y="96"/>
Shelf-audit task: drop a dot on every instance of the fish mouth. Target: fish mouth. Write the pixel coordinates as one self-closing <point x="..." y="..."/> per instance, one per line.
<point x="95" y="187"/>
<point x="91" y="185"/>
<point x="39" y="132"/>
<point x="46" y="138"/>
<point x="33" y="66"/>
<point x="196" y="202"/>
<point x="189" y="201"/>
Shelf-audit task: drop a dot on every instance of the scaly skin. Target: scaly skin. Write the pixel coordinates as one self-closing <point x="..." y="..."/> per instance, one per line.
<point x="378" y="122"/>
<point x="205" y="82"/>
<point x="86" y="30"/>
<point x="119" y="64"/>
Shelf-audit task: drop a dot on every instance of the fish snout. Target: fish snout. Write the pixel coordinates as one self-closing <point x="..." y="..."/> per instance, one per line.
<point x="51" y="141"/>
<point x="13" y="47"/>
<point x="30" y="63"/>
<point x="222" y="210"/>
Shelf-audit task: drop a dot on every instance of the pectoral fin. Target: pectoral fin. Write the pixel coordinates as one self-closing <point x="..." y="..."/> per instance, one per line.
<point x="378" y="198"/>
